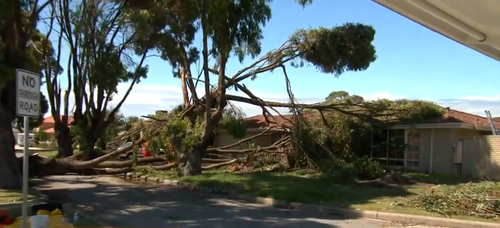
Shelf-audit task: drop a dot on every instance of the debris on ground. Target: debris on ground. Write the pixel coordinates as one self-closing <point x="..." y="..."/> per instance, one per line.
<point x="471" y="199"/>
<point x="390" y="180"/>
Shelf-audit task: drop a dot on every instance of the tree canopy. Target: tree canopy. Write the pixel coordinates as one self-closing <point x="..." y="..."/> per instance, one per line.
<point x="108" y="42"/>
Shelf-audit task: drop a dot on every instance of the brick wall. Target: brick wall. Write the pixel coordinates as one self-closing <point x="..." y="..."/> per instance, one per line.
<point x="481" y="157"/>
<point x="444" y="139"/>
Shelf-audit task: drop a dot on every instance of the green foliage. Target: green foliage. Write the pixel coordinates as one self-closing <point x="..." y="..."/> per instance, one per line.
<point x="335" y="50"/>
<point x="108" y="65"/>
<point x="471" y="199"/>
<point x="237" y="26"/>
<point x="41" y="136"/>
<point x="101" y="39"/>
<point x="183" y="134"/>
<point x="233" y="122"/>
<point x="367" y="169"/>
<point x="169" y="26"/>
<point x="325" y="139"/>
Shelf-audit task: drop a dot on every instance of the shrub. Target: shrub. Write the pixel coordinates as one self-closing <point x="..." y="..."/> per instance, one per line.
<point x="41" y="136"/>
<point x="367" y="169"/>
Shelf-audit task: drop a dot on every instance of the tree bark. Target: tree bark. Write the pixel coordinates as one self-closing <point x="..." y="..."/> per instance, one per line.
<point x="64" y="141"/>
<point x="190" y="164"/>
<point x="89" y="151"/>
<point x="10" y="177"/>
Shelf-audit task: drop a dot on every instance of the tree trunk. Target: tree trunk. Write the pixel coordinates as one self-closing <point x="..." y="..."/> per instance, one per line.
<point x="102" y="145"/>
<point x="190" y="164"/>
<point x="64" y="141"/>
<point x="10" y="177"/>
<point x="90" y="152"/>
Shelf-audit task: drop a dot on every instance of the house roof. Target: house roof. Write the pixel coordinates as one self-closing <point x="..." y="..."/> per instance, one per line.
<point x="50" y="131"/>
<point x="450" y="116"/>
<point x="455" y="116"/>
<point x="50" y="119"/>
<point x="259" y="121"/>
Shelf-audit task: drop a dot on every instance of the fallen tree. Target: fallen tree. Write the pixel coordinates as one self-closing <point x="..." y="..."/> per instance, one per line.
<point x="190" y="131"/>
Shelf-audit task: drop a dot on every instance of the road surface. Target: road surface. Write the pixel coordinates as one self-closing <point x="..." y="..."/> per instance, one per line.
<point x="123" y="204"/>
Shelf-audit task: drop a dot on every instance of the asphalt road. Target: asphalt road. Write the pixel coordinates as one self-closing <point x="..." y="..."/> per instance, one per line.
<point x="123" y="204"/>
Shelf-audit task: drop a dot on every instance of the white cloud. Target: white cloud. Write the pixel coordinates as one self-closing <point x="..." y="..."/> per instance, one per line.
<point x="481" y="98"/>
<point x="474" y="104"/>
<point x="382" y="95"/>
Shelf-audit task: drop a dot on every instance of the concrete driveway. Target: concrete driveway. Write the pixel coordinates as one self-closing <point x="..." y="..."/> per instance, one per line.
<point x="123" y="204"/>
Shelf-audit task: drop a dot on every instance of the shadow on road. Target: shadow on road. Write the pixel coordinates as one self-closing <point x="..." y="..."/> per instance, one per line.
<point x="124" y="204"/>
<point x="321" y="189"/>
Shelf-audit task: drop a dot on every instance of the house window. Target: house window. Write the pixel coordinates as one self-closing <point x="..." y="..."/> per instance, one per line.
<point x="276" y="136"/>
<point x="413" y="148"/>
<point x="398" y="147"/>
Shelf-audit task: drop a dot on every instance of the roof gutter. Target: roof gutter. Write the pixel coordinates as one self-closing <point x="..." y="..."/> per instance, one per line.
<point x="441" y="126"/>
<point x="443" y="16"/>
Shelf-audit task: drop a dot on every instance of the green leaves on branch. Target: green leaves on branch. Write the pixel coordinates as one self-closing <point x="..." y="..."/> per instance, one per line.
<point x="183" y="134"/>
<point x="336" y="50"/>
<point x="237" y="26"/>
<point x="233" y="122"/>
<point x="169" y="26"/>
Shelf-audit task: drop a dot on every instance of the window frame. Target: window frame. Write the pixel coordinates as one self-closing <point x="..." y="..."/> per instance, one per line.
<point x="405" y="161"/>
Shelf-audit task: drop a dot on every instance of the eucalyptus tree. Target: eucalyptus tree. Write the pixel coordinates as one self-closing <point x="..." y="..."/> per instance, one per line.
<point x="103" y="52"/>
<point x="227" y="28"/>
<point x="19" y="42"/>
<point x="231" y="28"/>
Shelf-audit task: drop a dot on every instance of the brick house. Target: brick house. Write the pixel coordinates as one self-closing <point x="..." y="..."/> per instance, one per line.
<point x="457" y="143"/>
<point x="255" y="125"/>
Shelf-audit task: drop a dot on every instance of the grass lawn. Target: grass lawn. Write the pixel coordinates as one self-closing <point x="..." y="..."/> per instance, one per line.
<point x="9" y="196"/>
<point x="48" y="154"/>
<point x="314" y="188"/>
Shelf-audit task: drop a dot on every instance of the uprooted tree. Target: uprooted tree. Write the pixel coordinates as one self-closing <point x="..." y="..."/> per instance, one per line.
<point x="169" y="26"/>
<point x="331" y="50"/>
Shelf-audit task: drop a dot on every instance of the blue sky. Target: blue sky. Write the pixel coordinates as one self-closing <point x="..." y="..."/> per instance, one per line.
<point x="413" y="62"/>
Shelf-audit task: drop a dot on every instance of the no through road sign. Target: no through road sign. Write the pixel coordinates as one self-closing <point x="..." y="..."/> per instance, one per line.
<point x="28" y="93"/>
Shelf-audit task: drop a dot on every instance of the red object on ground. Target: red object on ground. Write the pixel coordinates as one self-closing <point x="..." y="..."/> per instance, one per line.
<point x="145" y="151"/>
<point x="5" y="218"/>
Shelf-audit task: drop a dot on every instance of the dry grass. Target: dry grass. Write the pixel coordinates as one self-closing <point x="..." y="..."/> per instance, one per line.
<point x="10" y="196"/>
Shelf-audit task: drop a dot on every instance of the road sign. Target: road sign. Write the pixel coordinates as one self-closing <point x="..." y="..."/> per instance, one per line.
<point x="27" y="105"/>
<point x="28" y="93"/>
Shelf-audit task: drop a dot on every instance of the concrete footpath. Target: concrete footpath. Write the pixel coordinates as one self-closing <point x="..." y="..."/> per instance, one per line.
<point x="123" y="204"/>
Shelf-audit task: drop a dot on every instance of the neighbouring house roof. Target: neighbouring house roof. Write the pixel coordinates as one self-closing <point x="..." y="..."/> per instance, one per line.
<point x="455" y="116"/>
<point x="50" y="119"/>
<point x="259" y="121"/>
<point x="48" y="124"/>
<point x="451" y="118"/>
<point x="50" y="131"/>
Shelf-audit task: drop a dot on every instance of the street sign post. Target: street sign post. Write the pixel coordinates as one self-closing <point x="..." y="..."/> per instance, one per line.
<point x="28" y="105"/>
